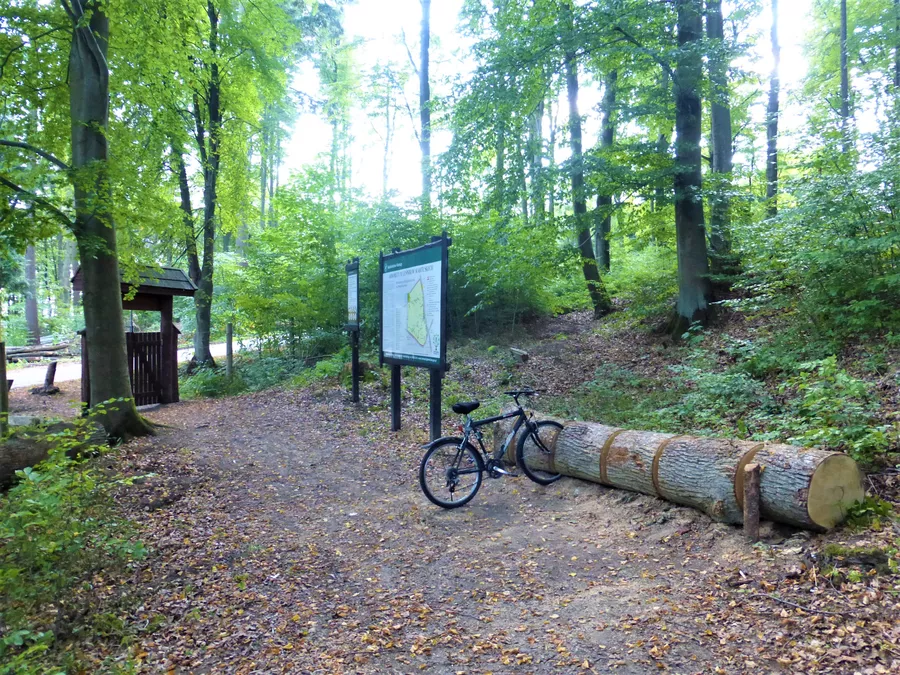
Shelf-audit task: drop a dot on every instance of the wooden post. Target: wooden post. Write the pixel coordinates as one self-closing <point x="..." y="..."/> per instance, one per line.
<point x="354" y="365"/>
<point x="85" y="370"/>
<point x="168" y="371"/>
<point x="435" y="406"/>
<point x="229" y="350"/>
<point x="395" y="398"/>
<point x="751" y="502"/>
<point x="4" y="392"/>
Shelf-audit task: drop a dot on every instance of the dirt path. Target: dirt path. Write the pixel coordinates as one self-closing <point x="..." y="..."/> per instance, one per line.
<point x="289" y="535"/>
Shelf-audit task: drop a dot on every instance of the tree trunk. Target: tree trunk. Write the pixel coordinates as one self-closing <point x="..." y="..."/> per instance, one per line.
<point x="425" y="105"/>
<point x="772" y="121"/>
<point x="187" y="215"/>
<point x="535" y="162"/>
<point x="94" y="228"/>
<point x="70" y="254"/>
<point x="800" y="486"/>
<point x="263" y="161"/>
<point x="551" y="156"/>
<point x="32" y="317"/>
<point x="662" y="146"/>
<point x="694" y="289"/>
<point x="63" y="274"/>
<point x="845" y="83"/>
<point x="607" y="136"/>
<point x="596" y="289"/>
<point x="896" y="46"/>
<point x="722" y="261"/>
<point x="208" y="142"/>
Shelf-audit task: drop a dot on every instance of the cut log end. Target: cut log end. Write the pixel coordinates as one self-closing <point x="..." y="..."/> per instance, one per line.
<point x="836" y="484"/>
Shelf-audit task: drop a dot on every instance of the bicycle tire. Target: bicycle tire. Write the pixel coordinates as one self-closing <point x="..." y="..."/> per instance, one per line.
<point x="441" y="457"/>
<point x="524" y="456"/>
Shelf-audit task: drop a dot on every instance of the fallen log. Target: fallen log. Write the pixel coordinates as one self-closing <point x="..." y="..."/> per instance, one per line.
<point x="805" y="487"/>
<point x="22" y="351"/>
<point x="29" y="447"/>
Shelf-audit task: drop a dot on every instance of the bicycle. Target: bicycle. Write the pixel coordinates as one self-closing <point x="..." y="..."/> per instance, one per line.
<point x="452" y="467"/>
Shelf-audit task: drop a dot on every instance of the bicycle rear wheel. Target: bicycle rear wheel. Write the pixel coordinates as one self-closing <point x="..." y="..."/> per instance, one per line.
<point x="534" y="452"/>
<point x="451" y="473"/>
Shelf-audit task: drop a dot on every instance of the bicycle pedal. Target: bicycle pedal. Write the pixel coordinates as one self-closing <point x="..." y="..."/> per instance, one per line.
<point x="504" y="472"/>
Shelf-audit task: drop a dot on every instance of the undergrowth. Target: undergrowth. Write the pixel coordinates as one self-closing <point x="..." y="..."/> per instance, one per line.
<point x="769" y="391"/>
<point x="59" y="538"/>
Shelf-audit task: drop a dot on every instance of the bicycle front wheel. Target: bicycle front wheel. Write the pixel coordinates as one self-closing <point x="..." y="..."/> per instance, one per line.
<point x="450" y="473"/>
<point x="534" y="452"/>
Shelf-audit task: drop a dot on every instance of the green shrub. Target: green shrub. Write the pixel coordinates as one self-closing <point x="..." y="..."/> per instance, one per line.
<point x="210" y="382"/>
<point x="835" y="410"/>
<point x="325" y="369"/>
<point x="58" y="531"/>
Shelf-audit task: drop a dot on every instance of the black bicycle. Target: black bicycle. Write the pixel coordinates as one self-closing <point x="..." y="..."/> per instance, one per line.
<point x="452" y="469"/>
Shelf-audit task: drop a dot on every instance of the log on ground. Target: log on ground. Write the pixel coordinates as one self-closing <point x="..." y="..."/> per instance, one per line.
<point x="29" y="447"/>
<point x="805" y="487"/>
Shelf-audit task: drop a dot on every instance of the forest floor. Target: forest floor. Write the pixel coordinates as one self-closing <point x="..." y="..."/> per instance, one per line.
<point x="288" y="534"/>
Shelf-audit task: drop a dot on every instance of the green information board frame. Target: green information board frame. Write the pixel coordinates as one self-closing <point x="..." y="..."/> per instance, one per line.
<point x="412" y="307"/>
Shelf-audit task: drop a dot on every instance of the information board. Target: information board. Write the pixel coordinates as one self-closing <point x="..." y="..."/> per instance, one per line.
<point x="353" y="295"/>
<point x="413" y="306"/>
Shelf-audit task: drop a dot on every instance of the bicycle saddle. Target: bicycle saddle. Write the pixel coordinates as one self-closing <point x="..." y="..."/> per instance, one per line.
<point x="465" y="408"/>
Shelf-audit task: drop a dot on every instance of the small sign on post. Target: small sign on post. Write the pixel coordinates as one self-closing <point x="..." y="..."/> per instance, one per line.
<point x="413" y="317"/>
<point x="353" y="324"/>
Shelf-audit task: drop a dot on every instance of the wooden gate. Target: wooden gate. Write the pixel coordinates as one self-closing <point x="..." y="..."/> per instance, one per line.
<point x="145" y="366"/>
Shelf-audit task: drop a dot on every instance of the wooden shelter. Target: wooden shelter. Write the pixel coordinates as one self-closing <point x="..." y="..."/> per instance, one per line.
<point x="152" y="357"/>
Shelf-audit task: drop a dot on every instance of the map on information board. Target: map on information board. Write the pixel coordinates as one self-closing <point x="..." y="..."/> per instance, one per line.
<point x="411" y="306"/>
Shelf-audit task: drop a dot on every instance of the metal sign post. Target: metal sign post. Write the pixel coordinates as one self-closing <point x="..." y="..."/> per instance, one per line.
<point x="413" y="319"/>
<point x="353" y="324"/>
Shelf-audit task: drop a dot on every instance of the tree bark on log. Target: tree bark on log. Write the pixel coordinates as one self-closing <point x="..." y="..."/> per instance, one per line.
<point x="805" y="487"/>
<point x="27" y="448"/>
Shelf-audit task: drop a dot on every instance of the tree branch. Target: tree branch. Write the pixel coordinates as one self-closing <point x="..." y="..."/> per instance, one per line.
<point x="40" y="201"/>
<point x="665" y="66"/>
<point x="46" y="155"/>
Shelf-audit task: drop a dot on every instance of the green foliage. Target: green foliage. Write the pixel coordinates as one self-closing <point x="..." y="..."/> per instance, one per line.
<point x="210" y="382"/>
<point x="57" y="532"/>
<point x="325" y="369"/>
<point x="835" y="410"/>
<point x="645" y="279"/>
<point x="870" y="513"/>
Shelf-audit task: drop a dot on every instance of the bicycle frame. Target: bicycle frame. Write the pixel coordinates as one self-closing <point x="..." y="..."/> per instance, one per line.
<point x="469" y="429"/>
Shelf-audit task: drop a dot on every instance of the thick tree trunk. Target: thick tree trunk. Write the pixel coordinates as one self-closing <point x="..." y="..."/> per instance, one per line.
<point x="208" y="142"/>
<point x="607" y="137"/>
<point x="94" y="228"/>
<point x="425" y="104"/>
<point x="32" y="317"/>
<point x="799" y="486"/>
<point x="722" y="260"/>
<point x="694" y="288"/>
<point x="772" y="121"/>
<point x="599" y="297"/>
<point x="846" y="144"/>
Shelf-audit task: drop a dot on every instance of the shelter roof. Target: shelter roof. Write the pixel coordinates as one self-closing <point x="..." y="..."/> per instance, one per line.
<point x="152" y="281"/>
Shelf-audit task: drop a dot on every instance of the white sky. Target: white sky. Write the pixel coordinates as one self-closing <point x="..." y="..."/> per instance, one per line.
<point x="379" y="26"/>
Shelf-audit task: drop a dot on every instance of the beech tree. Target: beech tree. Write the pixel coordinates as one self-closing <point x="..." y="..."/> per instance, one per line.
<point x="694" y="288"/>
